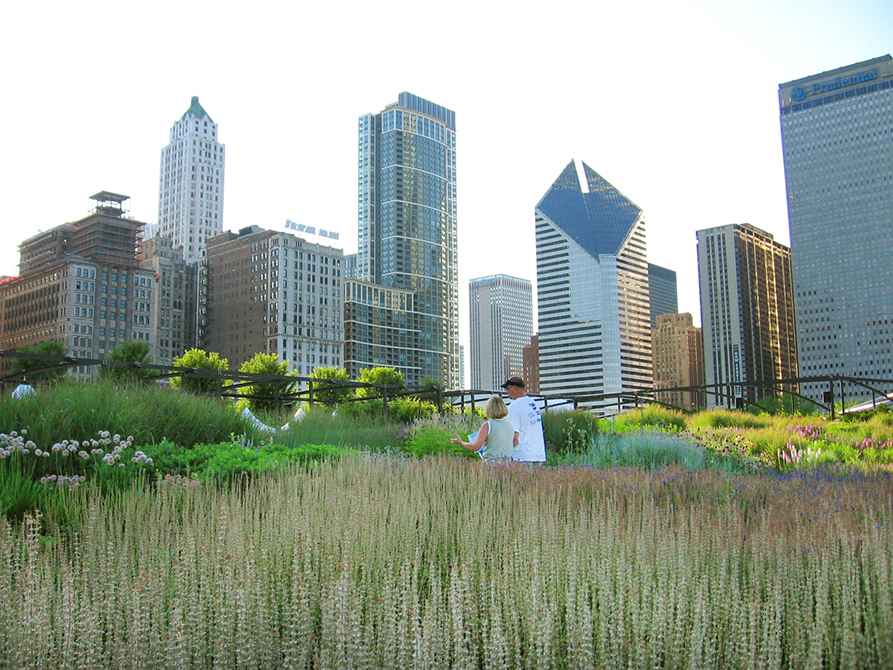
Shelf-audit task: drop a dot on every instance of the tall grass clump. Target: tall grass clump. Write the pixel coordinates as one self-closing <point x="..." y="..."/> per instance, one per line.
<point x="148" y="412"/>
<point x="725" y="418"/>
<point x="447" y="563"/>
<point x="653" y="417"/>
<point x="322" y="425"/>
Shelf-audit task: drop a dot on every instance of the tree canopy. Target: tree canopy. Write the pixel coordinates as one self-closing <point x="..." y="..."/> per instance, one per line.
<point x="385" y="376"/>
<point x="323" y="393"/>
<point x="202" y="360"/>
<point x="267" y="364"/>
<point x="24" y="366"/>
<point x="127" y="352"/>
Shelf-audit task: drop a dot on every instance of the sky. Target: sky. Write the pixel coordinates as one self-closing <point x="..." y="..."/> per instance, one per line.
<point x="675" y="103"/>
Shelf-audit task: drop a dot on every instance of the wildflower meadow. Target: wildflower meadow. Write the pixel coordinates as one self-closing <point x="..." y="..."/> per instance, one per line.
<point x="659" y="541"/>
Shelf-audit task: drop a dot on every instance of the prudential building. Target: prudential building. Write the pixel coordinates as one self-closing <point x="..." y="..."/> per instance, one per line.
<point x="837" y="135"/>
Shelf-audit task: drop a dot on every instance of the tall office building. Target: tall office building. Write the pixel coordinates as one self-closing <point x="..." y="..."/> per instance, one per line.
<point x="190" y="200"/>
<point x="81" y="284"/>
<point x="663" y="292"/>
<point x="678" y="360"/>
<point x="747" y="311"/>
<point x="402" y="310"/>
<point x="592" y="289"/>
<point x="275" y="293"/>
<point x="837" y="135"/>
<point x="501" y="320"/>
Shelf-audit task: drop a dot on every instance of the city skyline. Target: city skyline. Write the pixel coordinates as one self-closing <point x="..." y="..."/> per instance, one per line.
<point x="638" y="119"/>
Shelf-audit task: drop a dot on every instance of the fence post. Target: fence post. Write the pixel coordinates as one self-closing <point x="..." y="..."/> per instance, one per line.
<point x="439" y="401"/>
<point x="310" y="393"/>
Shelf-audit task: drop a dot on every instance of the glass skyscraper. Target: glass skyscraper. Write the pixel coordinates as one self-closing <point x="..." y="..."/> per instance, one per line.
<point x="407" y="245"/>
<point x="592" y="290"/>
<point x="837" y="133"/>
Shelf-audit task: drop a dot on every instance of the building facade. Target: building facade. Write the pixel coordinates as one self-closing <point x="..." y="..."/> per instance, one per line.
<point x="501" y="322"/>
<point x="272" y="292"/>
<point x="592" y="289"/>
<point x="174" y="298"/>
<point x="531" y="374"/>
<point x="190" y="200"/>
<point x="82" y="285"/>
<point x="837" y="136"/>
<point x="407" y="244"/>
<point x="678" y="360"/>
<point x="663" y="292"/>
<point x="747" y="311"/>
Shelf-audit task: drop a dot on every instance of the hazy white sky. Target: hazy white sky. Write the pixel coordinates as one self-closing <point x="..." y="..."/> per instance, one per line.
<point x="674" y="103"/>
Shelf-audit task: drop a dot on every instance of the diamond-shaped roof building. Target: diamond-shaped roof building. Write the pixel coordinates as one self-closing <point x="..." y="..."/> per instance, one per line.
<point x="599" y="220"/>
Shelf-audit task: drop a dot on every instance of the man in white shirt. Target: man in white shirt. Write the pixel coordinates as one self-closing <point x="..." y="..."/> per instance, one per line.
<point x="527" y="420"/>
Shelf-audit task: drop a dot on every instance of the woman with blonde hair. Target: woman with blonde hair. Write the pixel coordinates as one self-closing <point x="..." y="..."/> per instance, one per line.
<point x="495" y="438"/>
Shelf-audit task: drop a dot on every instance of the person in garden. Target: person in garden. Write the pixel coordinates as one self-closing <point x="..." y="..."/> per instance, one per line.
<point x="494" y="440"/>
<point x="527" y="421"/>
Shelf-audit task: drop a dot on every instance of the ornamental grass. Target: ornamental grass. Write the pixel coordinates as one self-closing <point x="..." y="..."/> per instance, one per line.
<point x="373" y="562"/>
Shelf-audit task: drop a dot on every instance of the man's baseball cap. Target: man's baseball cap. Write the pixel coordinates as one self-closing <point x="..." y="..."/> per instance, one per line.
<point x="513" y="381"/>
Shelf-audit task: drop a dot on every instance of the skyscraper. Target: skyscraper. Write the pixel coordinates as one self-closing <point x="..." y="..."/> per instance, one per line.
<point x="275" y="293"/>
<point x="592" y="288"/>
<point x="501" y="320"/>
<point x="190" y="200"/>
<point x="407" y="244"/>
<point x="747" y="311"/>
<point x="663" y="291"/>
<point x="837" y="135"/>
<point x="678" y="360"/>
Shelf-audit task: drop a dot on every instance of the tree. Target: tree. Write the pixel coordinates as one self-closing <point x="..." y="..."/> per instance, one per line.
<point x="430" y="381"/>
<point x="266" y="364"/>
<point x="202" y="360"/>
<point x="385" y="376"/>
<point x="323" y="392"/>
<point x="23" y="366"/>
<point x="127" y="352"/>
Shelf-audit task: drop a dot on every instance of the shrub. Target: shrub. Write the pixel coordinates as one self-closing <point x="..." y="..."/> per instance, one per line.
<point x="569" y="431"/>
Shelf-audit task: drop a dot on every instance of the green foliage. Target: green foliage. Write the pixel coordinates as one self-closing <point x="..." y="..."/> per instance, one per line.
<point x="652" y="416"/>
<point x="571" y="431"/>
<point x="25" y="366"/>
<point x="431" y="382"/>
<point x="429" y="437"/>
<point x="407" y="410"/>
<point x="266" y="364"/>
<point x="148" y="412"/>
<point x="724" y="418"/>
<point x="386" y="376"/>
<point x="324" y="393"/>
<point x="202" y="360"/>
<point x="128" y="352"/>
<point x="228" y="460"/>
<point x="322" y="426"/>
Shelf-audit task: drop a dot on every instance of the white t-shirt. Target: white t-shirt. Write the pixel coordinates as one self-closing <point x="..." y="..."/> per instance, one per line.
<point x="527" y="420"/>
